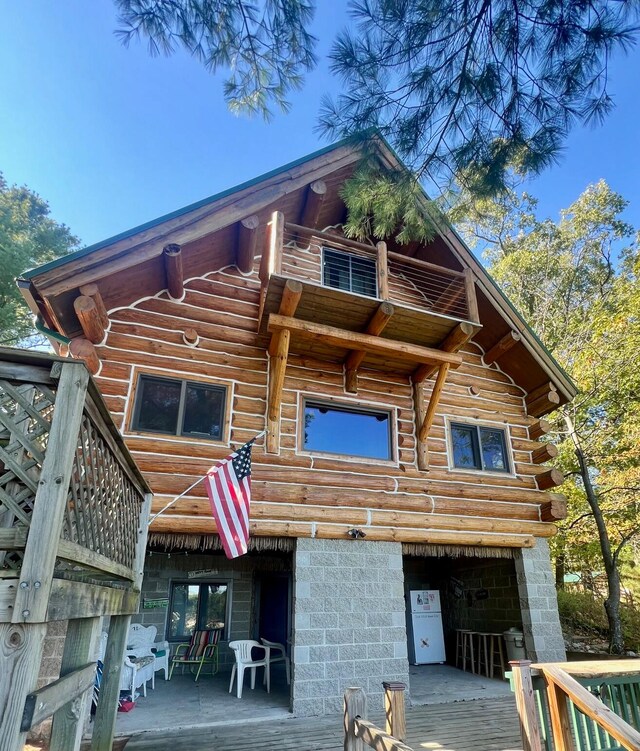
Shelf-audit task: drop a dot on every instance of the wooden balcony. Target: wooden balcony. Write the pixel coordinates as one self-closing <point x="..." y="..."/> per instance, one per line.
<point x="427" y="301"/>
<point x="73" y="521"/>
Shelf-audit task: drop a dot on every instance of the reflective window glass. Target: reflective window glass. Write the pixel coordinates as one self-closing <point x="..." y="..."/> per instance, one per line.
<point x="337" y="430"/>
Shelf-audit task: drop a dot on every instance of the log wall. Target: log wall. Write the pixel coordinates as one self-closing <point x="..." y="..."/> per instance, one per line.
<point x="295" y="493"/>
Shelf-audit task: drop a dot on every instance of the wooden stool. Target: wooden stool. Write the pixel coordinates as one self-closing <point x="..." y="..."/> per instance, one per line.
<point x="497" y="658"/>
<point x="468" y="650"/>
<point x="484" y="663"/>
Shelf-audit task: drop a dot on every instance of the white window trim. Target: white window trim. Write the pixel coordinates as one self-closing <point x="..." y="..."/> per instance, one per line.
<point x="481" y="424"/>
<point x="353" y="405"/>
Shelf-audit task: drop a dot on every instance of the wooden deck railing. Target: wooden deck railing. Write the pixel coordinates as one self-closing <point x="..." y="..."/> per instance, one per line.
<point x="73" y="524"/>
<point x="359" y="732"/>
<point x="399" y="278"/>
<point x="581" y="706"/>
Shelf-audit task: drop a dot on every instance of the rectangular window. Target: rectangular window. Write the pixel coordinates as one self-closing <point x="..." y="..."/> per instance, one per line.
<point x="478" y="447"/>
<point x="343" y="430"/>
<point x="350" y="272"/>
<point x="195" y="607"/>
<point x="176" y="407"/>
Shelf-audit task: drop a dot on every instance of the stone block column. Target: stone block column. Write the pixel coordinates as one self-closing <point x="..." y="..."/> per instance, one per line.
<point x="348" y="622"/>
<point x="539" y="604"/>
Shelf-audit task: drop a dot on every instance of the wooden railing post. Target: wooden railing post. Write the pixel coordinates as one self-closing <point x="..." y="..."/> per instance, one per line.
<point x="394" y="709"/>
<point x="526" y="705"/>
<point x="382" y="268"/>
<point x="559" y="714"/>
<point x="472" y="300"/>
<point x="355" y="705"/>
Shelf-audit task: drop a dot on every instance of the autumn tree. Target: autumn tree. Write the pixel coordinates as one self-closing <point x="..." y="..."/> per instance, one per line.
<point x="576" y="282"/>
<point x="28" y="237"/>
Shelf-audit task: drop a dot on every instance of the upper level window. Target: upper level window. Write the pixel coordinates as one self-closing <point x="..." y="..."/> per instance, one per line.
<point x="349" y="272"/>
<point x="196" y="607"/>
<point x="479" y="447"/>
<point x="177" y="407"/>
<point x="343" y="430"/>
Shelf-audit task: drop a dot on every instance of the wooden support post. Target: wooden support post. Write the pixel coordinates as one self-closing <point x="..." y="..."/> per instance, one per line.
<point x="89" y="317"/>
<point x="92" y="291"/>
<point x="382" y="268"/>
<point x="420" y="410"/>
<point x="173" y="269"/>
<point x="354" y="359"/>
<point x="394" y="709"/>
<point x="555" y="509"/>
<point x="20" y="656"/>
<point x="79" y="648"/>
<point x="105" y="721"/>
<point x="36" y="575"/>
<point x="316" y="193"/>
<point x="246" y="243"/>
<point x="526" y="705"/>
<point x="355" y="706"/>
<point x="452" y="343"/>
<point x="291" y="295"/>
<point x="539" y="428"/>
<point x="277" y="369"/>
<point x="424" y="418"/>
<point x="549" y="479"/>
<point x="472" y="300"/>
<point x="82" y="349"/>
<point x="545" y="453"/>
<point x="559" y="715"/>
<point x="502" y="347"/>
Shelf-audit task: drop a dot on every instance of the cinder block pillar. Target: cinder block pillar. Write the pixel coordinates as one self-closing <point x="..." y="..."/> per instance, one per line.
<point x="349" y="622"/>
<point x="539" y="604"/>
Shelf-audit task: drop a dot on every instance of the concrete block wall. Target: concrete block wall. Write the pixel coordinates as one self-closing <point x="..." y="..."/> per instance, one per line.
<point x="348" y="622"/>
<point x="49" y="670"/>
<point x="539" y="604"/>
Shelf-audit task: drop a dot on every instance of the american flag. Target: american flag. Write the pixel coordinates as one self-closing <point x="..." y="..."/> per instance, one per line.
<point x="229" y="490"/>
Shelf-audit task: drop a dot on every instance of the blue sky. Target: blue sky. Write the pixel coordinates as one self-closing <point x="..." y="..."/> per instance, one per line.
<point x="113" y="138"/>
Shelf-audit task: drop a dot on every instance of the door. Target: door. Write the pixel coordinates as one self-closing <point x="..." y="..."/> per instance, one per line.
<point x="274" y="607"/>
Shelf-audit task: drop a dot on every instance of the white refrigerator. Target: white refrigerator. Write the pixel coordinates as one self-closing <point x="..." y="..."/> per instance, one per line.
<point x="426" y="639"/>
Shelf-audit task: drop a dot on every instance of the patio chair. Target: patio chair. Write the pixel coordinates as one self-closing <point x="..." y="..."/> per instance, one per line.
<point x="243" y="649"/>
<point x="201" y="650"/>
<point x="280" y="656"/>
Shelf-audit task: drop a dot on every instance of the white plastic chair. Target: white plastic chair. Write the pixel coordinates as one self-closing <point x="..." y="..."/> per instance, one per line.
<point x="280" y="655"/>
<point x="242" y="649"/>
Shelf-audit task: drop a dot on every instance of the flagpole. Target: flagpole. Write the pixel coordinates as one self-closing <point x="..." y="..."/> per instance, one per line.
<point x="191" y="487"/>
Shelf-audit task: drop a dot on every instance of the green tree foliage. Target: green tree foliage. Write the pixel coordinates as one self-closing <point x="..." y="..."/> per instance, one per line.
<point x="28" y="238"/>
<point x="265" y="46"/>
<point x="577" y="283"/>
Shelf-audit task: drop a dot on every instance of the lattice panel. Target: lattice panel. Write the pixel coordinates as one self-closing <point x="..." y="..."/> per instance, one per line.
<point x="26" y="411"/>
<point x="104" y="505"/>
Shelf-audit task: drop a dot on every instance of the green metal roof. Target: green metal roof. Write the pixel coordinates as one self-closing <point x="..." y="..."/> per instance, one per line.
<point x="185" y="210"/>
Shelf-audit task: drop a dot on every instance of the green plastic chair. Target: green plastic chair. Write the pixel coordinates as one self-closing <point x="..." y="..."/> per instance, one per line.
<point x="201" y="650"/>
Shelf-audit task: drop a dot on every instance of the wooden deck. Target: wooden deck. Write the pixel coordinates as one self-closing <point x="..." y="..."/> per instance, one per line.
<point x="482" y="725"/>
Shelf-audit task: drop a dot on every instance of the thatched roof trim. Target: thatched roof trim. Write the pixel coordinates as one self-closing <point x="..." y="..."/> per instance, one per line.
<point x="207" y="543"/>
<point x="424" y="550"/>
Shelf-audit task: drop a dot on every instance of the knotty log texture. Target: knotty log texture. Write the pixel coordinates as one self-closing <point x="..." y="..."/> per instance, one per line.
<point x="502" y="347"/>
<point x="173" y="270"/>
<point x="247" y="243"/>
<point x="89" y="317"/>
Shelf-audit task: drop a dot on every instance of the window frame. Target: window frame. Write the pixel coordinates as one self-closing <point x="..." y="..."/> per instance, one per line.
<point x="357" y="407"/>
<point x="478" y="426"/>
<point x="228" y="583"/>
<point x="350" y="256"/>
<point x="185" y="380"/>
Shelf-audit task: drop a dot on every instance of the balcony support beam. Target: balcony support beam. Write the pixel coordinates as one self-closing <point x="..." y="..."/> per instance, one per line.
<point x="354" y="359"/>
<point x="425" y="417"/>
<point x="453" y="343"/>
<point x="278" y="354"/>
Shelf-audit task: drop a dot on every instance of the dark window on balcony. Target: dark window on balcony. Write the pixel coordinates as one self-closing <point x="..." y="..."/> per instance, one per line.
<point x="349" y="272"/>
<point x="176" y="407"/>
<point x="478" y="447"/>
<point x="342" y="430"/>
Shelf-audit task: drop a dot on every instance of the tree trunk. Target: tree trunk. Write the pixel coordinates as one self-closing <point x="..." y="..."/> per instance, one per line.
<point x="612" y="603"/>
<point x="560" y="570"/>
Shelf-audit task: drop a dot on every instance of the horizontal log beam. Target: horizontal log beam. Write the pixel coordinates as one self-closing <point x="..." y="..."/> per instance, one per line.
<point x="502" y="347"/>
<point x="316" y="194"/>
<point x="549" y="479"/>
<point x="540" y="391"/>
<point x="172" y="254"/>
<point x="246" y="243"/>
<point x="352" y="339"/>
<point x="452" y="343"/>
<point x="539" y="428"/>
<point x="544" y="453"/>
<point x="14" y="538"/>
<point x="89" y="317"/>
<point x="50" y="698"/>
<point x="375" y="327"/>
<point x="73" y="599"/>
<point x="71" y="551"/>
<point x="290" y="300"/>
<point x="82" y="349"/>
<point x="555" y="509"/>
<point x="92" y="291"/>
<point x="543" y="404"/>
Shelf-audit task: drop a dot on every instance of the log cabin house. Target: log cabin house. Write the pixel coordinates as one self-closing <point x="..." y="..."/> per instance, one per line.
<point x="402" y="396"/>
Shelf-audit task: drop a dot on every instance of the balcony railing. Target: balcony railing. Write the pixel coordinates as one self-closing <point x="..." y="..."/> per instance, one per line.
<point x="401" y="279"/>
